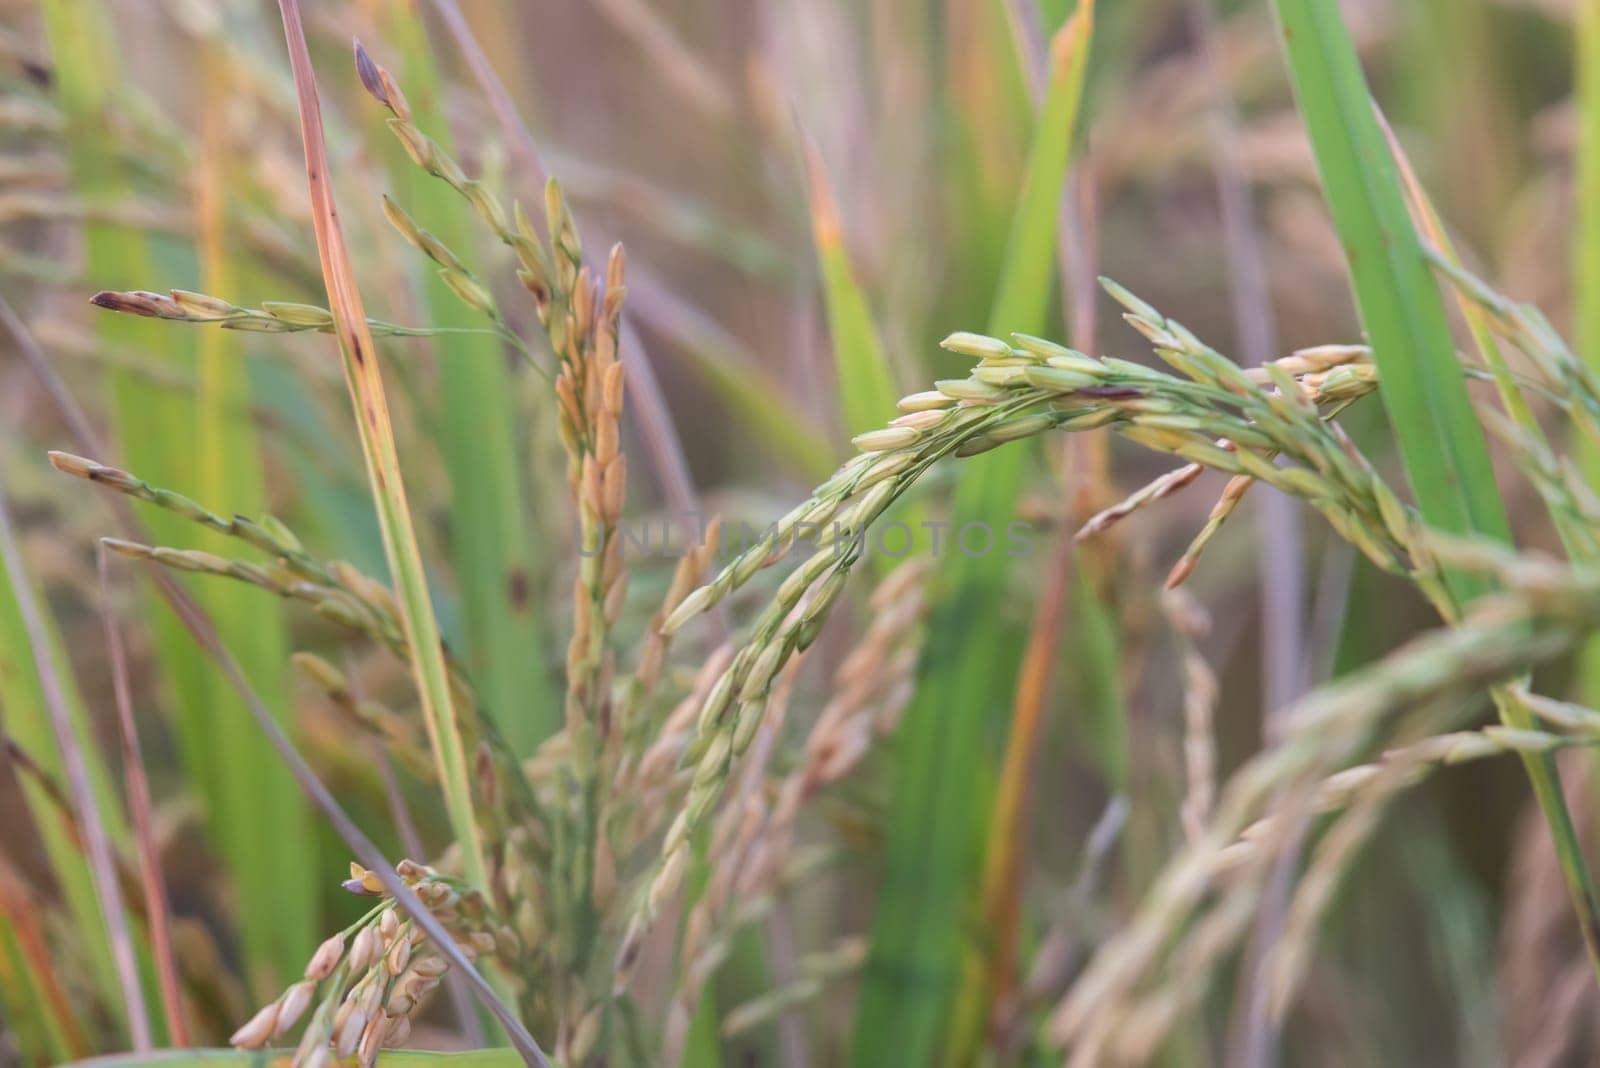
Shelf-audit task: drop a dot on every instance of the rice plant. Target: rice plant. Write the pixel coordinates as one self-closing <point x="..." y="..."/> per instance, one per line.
<point x="425" y="633"/>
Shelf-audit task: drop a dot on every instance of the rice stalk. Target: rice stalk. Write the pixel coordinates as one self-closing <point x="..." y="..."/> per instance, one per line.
<point x="754" y="842"/>
<point x="272" y="317"/>
<point x="1189" y="623"/>
<point x="338" y="593"/>
<point x="157" y="903"/>
<point x="365" y="384"/>
<point x="376" y="874"/>
<point x="1018" y="391"/>
<point x="277" y="540"/>
<point x="655" y="421"/>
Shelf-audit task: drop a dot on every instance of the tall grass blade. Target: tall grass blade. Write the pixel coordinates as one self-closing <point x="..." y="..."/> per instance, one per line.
<point x="867" y="392"/>
<point x="365" y="383"/>
<point x="941" y="790"/>
<point x="263" y="822"/>
<point x="196" y="625"/>
<point x="488" y="535"/>
<point x="1440" y="441"/>
<point x="1431" y="226"/>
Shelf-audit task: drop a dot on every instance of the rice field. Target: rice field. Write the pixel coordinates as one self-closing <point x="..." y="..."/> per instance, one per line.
<point x="685" y="532"/>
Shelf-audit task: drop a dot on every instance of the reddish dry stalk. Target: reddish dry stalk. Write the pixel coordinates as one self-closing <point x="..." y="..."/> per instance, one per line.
<point x="1003" y="868"/>
<point x="365" y="383"/>
<point x="158" y="907"/>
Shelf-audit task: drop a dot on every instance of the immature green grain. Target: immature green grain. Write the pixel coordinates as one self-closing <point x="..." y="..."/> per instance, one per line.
<point x="339" y="593"/>
<point x="1045" y="387"/>
<point x="754" y="844"/>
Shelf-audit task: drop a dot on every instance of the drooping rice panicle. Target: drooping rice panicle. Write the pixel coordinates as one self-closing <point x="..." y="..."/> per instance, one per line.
<point x="369" y="980"/>
<point x="754" y="845"/>
<point x="272" y="317"/>
<point x="1019" y="390"/>
<point x="1541" y="615"/>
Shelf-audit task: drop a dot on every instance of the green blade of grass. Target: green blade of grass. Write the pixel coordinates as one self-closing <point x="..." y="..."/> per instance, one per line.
<point x="276" y="875"/>
<point x="862" y="372"/>
<point x="1441" y="443"/>
<point x="942" y="786"/>
<point x="155" y="427"/>
<point x="489" y="537"/>
<point x="866" y="382"/>
<point x="1587" y="250"/>
<point x="1440" y="440"/>
<point x="367" y="396"/>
